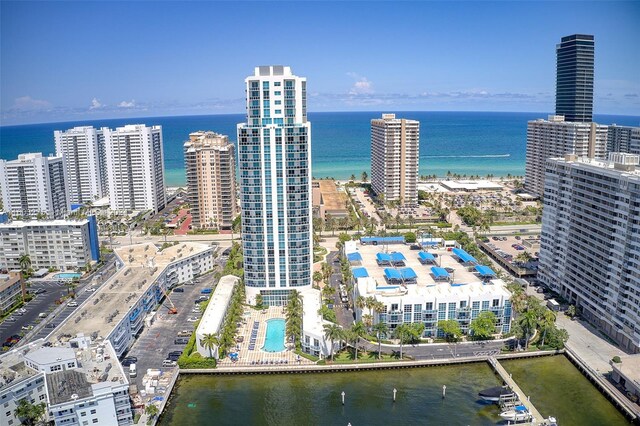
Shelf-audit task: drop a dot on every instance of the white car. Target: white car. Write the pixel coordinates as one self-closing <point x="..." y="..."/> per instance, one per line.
<point x="72" y="304"/>
<point x="90" y="290"/>
<point x="193" y="319"/>
<point x="23" y="310"/>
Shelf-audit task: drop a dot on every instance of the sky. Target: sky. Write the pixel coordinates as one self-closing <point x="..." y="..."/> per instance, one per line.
<point x="69" y="61"/>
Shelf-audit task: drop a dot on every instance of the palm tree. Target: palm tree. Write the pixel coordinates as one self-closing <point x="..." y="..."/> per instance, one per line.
<point x="364" y="176"/>
<point x="358" y="330"/>
<point x="528" y="322"/>
<point x="332" y="332"/>
<point x="294" y="316"/>
<point x="326" y="270"/>
<point x="209" y="341"/>
<point x="30" y="414"/>
<point x="381" y="329"/>
<point x="151" y="410"/>
<point x="546" y="322"/>
<point x="401" y="333"/>
<point x="352" y="178"/>
<point x="25" y="262"/>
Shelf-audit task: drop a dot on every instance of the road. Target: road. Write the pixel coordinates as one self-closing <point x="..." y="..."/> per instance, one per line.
<point x="344" y="315"/>
<point x="45" y="303"/>
<point x="441" y="350"/>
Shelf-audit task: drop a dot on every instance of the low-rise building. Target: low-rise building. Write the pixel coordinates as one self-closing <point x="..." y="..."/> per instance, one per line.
<point x="328" y="202"/>
<point x="144" y="275"/>
<point x="213" y="317"/>
<point x="12" y="290"/>
<point x="81" y="383"/>
<point x="426" y="287"/>
<point x="62" y="244"/>
<point x="314" y="341"/>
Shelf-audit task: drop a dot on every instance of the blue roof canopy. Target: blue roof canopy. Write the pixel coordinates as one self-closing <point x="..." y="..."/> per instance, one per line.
<point x="392" y="274"/>
<point x="382" y="240"/>
<point x="390" y="257"/>
<point x="464" y="256"/>
<point x="439" y="273"/>
<point x="400" y="274"/>
<point x="360" y="273"/>
<point x="354" y="257"/>
<point x="485" y="271"/>
<point x="424" y="256"/>
<point x="408" y="273"/>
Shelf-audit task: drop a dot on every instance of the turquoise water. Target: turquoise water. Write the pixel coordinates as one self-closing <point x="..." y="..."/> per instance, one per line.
<point x="460" y="142"/>
<point x="67" y="275"/>
<point x="274" y="341"/>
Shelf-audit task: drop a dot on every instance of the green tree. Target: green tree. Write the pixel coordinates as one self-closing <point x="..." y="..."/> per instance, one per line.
<point x="293" y="313"/>
<point x="364" y="176"/>
<point x="209" y="341"/>
<point x="401" y="332"/>
<point x="25" y="262"/>
<point x="546" y="323"/>
<point x="317" y="277"/>
<point x="332" y="332"/>
<point x="151" y="410"/>
<point x="484" y="326"/>
<point x="259" y="301"/>
<point x="528" y="323"/>
<point x="30" y="414"/>
<point x="357" y="330"/>
<point x="451" y="329"/>
<point x="352" y="178"/>
<point x="571" y="311"/>
<point x="410" y="237"/>
<point x="381" y="329"/>
<point x="557" y="337"/>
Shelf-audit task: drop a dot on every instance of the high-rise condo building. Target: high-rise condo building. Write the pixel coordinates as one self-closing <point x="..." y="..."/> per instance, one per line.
<point x="33" y="185"/>
<point x="574" y="78"/>
<point x="274" y="159"/>
<point x="395" y="151"/>
<point x="135" y="167"/>
<point x="85" y="162"/>
<point x="623" y="139"/>
<point x="588" y="247"/>
<point x="556" y="137"/>
<point x="211" y="180"/>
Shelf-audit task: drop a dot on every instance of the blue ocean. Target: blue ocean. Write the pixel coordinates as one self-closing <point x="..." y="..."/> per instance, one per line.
<point x="458" y="142"/>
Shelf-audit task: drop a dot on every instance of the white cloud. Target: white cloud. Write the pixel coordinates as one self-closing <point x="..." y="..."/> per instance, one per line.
<point x="127" y="104"/>
<point x="361" y="86"/>
<point x="27" y="103"/>
<point x="95" y="104"/>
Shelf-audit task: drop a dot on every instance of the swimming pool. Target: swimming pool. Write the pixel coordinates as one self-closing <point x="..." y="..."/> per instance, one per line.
<point x="67" y="275"/>
<point x="275" y="335"/>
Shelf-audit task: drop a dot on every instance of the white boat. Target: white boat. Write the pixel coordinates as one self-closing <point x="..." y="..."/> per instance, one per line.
<point x="518" y="413"/>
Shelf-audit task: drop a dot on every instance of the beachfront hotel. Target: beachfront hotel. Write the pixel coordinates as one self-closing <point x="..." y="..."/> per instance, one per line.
<point x="274" y="162"/>
<point x="211" y="180"/>
<point x="85" y="162"/>
<point x="441" y="282"/>
<point x="34" y="185"/>
<point x="135" y="168"/>
<point x="395" y="153"/>
<point x="574" y="78"/>
<point x="588" y="247"/>
<point x="556" y="137"/>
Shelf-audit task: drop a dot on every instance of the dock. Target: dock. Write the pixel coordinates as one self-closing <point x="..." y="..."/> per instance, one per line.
<point x="536" y="417"/>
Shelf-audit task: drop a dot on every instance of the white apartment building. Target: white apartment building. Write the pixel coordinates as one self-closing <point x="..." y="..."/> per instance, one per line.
<point x="210" y="165"/>
<point x="34" y="184"/>
<point x="63" y="244"/>
<point x="554" y="138"/>
<point x="12" y="289"/>
<point x="213" y="317"/>
<point x="85" y="162"/>
<point x="623" y="139"/>
<point x="82" y="383"/>
<point x="395" y="154"/>
<point x="274" y="162"/>
<point x="588" y="248"/>
<point x="135" y="168"/>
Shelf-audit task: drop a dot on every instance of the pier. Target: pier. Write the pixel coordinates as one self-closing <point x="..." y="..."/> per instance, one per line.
<point x="535" y="414"/>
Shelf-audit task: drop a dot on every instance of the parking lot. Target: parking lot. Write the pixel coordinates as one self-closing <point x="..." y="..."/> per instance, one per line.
<point x="155" y="342"/>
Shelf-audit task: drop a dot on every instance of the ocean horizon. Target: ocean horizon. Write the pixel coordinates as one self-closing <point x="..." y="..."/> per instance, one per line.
<point x="466" y="143"/>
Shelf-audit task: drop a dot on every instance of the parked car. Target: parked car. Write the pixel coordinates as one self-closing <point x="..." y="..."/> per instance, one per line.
<point x="27" y="327"/>
<point x="178" y="290"/>
<point x="127" y="361"/>
<point x="168" y="363"/>
<point x="185" y="333"/>
<point x="192" y="319"/>
<point x="40" y="290"/>
<point x="72" y="304"/>
<point x="181" y="341"/>
<point x="540" y="290"/>
<point x="50" y="325"/>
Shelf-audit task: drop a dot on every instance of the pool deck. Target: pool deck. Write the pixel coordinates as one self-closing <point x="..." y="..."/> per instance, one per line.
<point x="258" y="356"/>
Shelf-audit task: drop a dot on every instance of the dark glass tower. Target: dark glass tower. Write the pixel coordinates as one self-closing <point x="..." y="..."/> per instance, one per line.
<point x="574" y="78"/>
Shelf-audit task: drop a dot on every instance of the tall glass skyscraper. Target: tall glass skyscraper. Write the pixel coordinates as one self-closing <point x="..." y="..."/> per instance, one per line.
<point x="274" y="159"/>
<point x="574" y="78"/>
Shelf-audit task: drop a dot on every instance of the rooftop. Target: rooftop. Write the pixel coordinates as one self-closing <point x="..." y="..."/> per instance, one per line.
<point x="143" y="265"/>
<point x="7" y="280"/>
<point x="329" y="195"/>
<point x="311" y="304"/>
<point x="464" y="279"/>
<point x="214" y="314"/>
<point x="38" y="223"/>
<point x="629" y="368"/>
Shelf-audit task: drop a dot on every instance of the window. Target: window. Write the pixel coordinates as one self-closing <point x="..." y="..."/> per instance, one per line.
<point x="84" y="413"/>
<point x="496" y="302"/>
<point x="94" y="420"/>
<point x="93" y="411"/>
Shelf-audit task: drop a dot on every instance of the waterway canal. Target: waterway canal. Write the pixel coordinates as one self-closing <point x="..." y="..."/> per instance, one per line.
<point x="315" y="399"/>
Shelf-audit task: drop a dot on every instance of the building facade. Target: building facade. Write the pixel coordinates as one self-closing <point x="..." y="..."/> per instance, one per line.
<point x="34" y="185"/>
<point x="395" y="153"/>
<point x="588" y="247"/>
<point x="85" y="162"/>
<point x="274" y="162"/>
<point x="623" y="139"/>
<point x="63" y="244"/>
<point x="211" y="180"/>
<point x="135" y="168"/>
<point x="12" y="290"/>
<point x="574" y="78"/>
<point x="556" y="137"/>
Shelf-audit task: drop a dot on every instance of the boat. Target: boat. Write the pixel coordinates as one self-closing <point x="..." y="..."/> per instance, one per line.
<point x="494" y="394"/>
<point x="518" y="413"/>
